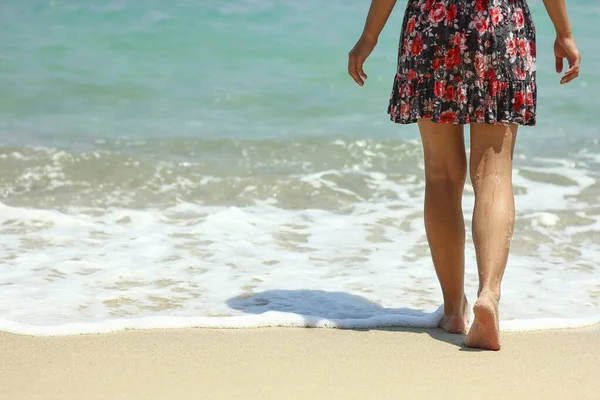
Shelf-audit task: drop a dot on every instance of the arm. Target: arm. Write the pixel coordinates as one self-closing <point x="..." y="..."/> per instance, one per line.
<point x="564" y="46"/>
<point x="557" y="11"/>
<point x="379" y="13"/>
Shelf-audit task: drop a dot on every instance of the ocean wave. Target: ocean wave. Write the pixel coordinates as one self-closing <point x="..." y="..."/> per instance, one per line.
<point x="174" y="228"/>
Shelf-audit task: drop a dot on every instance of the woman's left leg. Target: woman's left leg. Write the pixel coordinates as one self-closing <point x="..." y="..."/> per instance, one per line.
<point x="492" y="148"/>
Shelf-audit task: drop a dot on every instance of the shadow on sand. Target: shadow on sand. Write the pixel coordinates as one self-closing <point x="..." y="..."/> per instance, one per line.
<point x="337" y="306"/>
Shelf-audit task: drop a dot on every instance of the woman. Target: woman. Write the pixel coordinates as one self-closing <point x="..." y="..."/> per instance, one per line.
<point x="467" y="62"/>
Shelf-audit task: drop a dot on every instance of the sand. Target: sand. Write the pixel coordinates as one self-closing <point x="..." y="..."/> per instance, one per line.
<point x="296" y="363"/>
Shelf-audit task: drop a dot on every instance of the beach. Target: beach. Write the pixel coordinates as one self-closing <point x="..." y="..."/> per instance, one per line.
<point x="292" y="363"/>
<point x="197" y="201"/>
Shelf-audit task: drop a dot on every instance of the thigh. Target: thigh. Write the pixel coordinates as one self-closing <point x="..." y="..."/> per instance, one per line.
<point x="444" y="148"/>
<point x="492" y="148"/>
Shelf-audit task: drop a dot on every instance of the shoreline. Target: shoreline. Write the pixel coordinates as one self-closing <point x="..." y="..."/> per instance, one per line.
<point x="275" y="363"/>
<point x="276" y="319"/>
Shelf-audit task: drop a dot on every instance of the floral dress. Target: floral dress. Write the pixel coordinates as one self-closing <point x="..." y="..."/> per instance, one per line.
<point x="463" y="61"/>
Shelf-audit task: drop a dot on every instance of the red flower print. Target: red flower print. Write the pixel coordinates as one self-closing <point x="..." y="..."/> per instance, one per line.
<point x="496" y="15"/>
<point x="417" y="46"/>
<point x="529" y="99"/>
<point x="466" y="61"/>
<point x="530" y="63"/>
<point x="461" y="95"/>
<point x="438" y="89"/>
<point x="480" y="23"/>
<point x="480" y="64"/>
<point x="511" y="49"/>
<point x="457" y="56"/>
<point x="493" y="87"/>
<point x="437" y="14"/>
<point x="479" y="115"/>
<point x="532" y="48"/>
<point x="459" y="39"/>
<point x="410" y="26"/>
<point x="519" y="101"/>
<point x="481" y="5"/>
<point x="450" y="93"/>
<point x="405" y="110"/>
<point x="452" y="13"/>
<point x="518" y="18"/>
<point x="452" y="58"/>
<point x="402" y="90"/>
<point x="519" y="73"/>
<point x="447" y="117"/>
<point x="523" y="47"/>
<point x="406" y="89"/>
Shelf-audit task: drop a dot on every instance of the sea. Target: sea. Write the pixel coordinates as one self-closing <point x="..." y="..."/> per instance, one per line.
<point x="206" y="163"/>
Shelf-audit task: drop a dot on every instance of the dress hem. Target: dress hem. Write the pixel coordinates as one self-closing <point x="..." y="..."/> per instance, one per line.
<point x="463" y="102"/>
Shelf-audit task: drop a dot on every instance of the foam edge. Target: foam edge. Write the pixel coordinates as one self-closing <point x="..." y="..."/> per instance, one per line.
<point x="278" y="319"/>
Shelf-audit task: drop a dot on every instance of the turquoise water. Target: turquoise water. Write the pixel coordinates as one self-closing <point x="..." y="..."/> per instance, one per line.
<point x="165" y="157"/>
<point x="77" y="70"/>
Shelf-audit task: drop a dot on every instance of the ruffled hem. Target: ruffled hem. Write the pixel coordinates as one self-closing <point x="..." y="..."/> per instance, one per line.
<point x="459" y="102"/>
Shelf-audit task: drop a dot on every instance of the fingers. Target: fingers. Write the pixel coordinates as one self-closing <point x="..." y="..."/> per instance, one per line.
<point x="362" y="73"/>
<point x="352" y="70"/>
<point x="573" y="71"/>
<point x="355" y="70"/>
<point x="559" y="64"/>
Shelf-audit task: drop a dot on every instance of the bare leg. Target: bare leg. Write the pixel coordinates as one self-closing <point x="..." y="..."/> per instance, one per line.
<point x="445" y="176"/>
<point x="492" y="148"/>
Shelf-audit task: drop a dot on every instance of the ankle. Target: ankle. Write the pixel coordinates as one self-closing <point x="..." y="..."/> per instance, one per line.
<point x="495" y="293"/>
<point x="457" y="307"/>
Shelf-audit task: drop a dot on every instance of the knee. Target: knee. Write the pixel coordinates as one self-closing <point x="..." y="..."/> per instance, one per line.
<point x="476" y="181"/>
<point x="449" y="178"/>
<point x="490" y="168"/>
<point x="490" y="175"/>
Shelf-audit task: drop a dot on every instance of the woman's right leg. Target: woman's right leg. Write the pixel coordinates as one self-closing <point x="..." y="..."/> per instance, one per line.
<point x="492" y="149"/>
<point x="445" y="176"/>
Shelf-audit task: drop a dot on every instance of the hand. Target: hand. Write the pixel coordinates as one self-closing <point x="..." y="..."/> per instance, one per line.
<point x="356" y="58"/>
<point x="565" y="47"/>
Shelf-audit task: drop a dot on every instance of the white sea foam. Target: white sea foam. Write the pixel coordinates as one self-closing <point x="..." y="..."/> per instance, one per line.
<point x="279" y="319"/>
<point x="267" y="319"/>
<point x="361" y="263"/>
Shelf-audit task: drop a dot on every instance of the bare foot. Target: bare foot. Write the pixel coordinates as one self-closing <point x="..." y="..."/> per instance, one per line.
<point x="485" y="331"/>
<point x="456" y="323"/>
